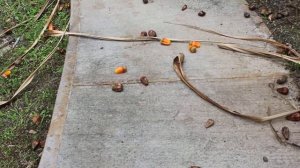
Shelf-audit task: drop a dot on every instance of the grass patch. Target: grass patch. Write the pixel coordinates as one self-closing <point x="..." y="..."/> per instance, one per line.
<point x="39" y="97"/>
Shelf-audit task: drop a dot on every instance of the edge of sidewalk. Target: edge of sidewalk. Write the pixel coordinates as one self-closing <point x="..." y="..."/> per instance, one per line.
<point x="53" y="141"/>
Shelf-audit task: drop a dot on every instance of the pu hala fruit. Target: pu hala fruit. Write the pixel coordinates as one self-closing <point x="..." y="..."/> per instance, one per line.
<point x="196" y="44"/>
<point x="6" y="74"/>
<point x="121" y="69"/>
<point x="165" y="41"/>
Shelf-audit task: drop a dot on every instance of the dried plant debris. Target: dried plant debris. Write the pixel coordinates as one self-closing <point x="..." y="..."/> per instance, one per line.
<point x="209" y="123"/>
<point x="282" y="80"/>
<point x="117" y="87"/>
<point x="285" y="133"/>
<point x="144" y="80"/>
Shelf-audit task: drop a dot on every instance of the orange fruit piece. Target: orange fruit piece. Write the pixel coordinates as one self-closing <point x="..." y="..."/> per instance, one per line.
<point x="6" y="74"/>
<point x="165" y="41"/>
<point x="196" y="44"/>
<point x="120" y="70"/>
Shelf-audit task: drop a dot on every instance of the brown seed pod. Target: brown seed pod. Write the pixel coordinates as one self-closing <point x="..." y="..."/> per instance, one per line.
<point x="117" y="87"/>
<point x="246" y="15"/>
<point x="145" y="1"/>
<point x="294" y="117"/>
<point x="282" y="80"/>
<point x="144" y="80"/>
<point x="201" y="13"/>
<point x="209" y="123"/>
<point x="152" y="33"/>
<point x="285" y="133"/>
<point x="144" y="34"/>
<point x="184" y="7"/>
<point x="283" y="90"/>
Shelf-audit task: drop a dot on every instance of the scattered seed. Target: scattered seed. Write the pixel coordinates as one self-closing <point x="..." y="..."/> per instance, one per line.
<point x="265" y="159"/>
<point x="184" y="7"/>
<point x="144" y="34"/>
<point x="285" y="133"/>
<point x="283" y="90"/>
<point x="152" y="33"/>
<point x="117" y="87"/>
<point x="209" y="123"/>
<point x="201" y="13"/>
<point x="294" y="117"/>
<point x="145" y="1"/>
<point x="282" y="80"/>
<point x="252" y="7"/>
<point x="144" y="80"/>
<point x="246" y="15"/>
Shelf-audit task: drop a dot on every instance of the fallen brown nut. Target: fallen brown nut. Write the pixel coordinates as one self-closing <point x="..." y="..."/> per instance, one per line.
<point x="201" y="13"/>
<point x="283" y="90"/>
<point x="294" y="117"/>
<point x="117" y="87"/>
<point x="144" y="34"/>
<point x="282" y="80"/>
<point x="285" y="133"/>
<point x="252" y="7"/>
<point x="145" y="1"/>
<point x="144" y="80"/>
<point x="246" y="15"/>
<point x="184" y="7"/>
<point x="152" y="33"/>
<point x="209" y="123"/>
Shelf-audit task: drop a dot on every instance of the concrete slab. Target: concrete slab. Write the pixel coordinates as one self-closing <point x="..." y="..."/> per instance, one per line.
<point x="162" y="125"/>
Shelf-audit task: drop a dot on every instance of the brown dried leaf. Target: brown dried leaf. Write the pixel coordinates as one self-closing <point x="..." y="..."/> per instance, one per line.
<point x="209" y="123"/>
<point x="285" y="133"/>
<point x="36" y="119"/>
<point x="35" y="144"/>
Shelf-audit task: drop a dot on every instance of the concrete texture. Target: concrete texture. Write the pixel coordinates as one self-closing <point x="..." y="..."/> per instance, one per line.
<point x="162" y="125"/>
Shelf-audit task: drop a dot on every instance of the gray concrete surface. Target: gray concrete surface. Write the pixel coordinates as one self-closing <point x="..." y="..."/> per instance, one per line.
<point x="162" y="125"/>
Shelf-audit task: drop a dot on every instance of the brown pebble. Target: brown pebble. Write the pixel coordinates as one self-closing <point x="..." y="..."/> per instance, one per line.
<point x="184" y="7"/>
<point x="117" y="87"/>
<point x="152" y="33"/>
<point x="246" y="15"/>
<point x="265" y="159"/>
<point x="285" y="133"/>
<point x="282" y="80"/>
<point x="283" y="90"/>
<point x="294" y="117"/>
<point x="145" y="1"/>
<point x="201" y="13"/>
<point x="144" y="80"/>
<point x="144" y="34"/>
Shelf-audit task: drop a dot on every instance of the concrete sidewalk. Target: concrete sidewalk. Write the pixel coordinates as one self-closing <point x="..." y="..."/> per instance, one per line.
<point x="162" y="125"/>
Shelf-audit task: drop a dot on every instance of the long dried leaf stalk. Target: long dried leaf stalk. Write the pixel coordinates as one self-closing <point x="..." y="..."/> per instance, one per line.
<point x="253" y="51"/>
<point x="20" y="58"/>
<point x="29" y="79"/>
<point x="177" y="65"/>
<point x="270" y="41"/>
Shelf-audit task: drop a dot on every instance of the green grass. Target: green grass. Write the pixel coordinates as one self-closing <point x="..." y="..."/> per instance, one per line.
<point x="39" y="97"/>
